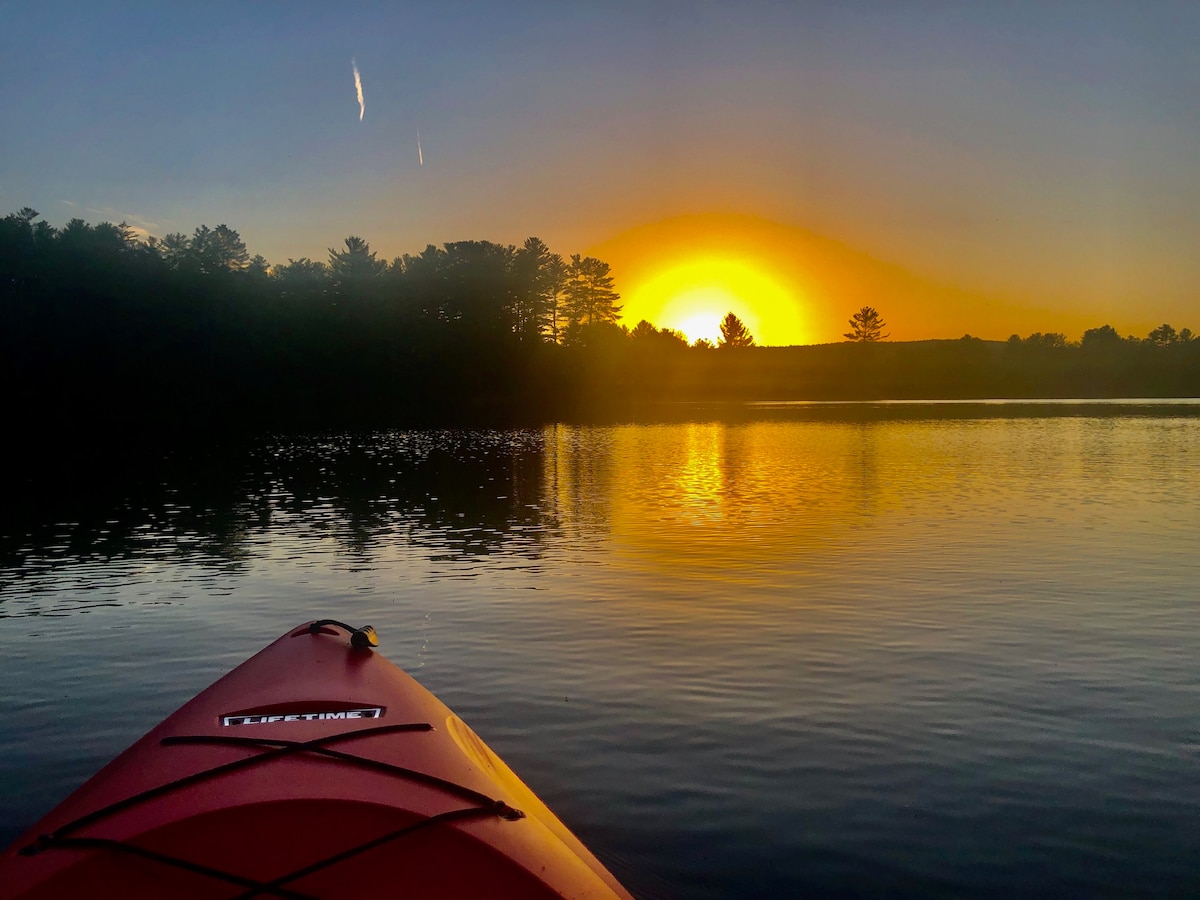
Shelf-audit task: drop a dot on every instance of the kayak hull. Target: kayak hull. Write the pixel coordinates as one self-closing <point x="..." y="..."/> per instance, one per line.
<point x="314" y="769"/>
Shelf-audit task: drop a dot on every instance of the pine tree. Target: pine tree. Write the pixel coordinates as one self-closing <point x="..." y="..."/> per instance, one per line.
<point x="734" y="333"/>
<point x="589" y="293"/>
<point x="540" y="276"/>
<point x="219" y="249"/>
<point x="357" y="261"/>
<point x="866" y="325"/>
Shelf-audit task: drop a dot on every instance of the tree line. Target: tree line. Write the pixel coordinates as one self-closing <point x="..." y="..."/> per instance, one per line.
<point x="92" y="319"/>
<point x="526" y="292"/>
<point x="1104" y="338"/>
<point x="100" y="328"/>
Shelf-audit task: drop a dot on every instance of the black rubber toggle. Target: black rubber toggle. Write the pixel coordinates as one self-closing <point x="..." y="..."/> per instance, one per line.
<point x="506" y="812"/>
<point x="363" y="638"/>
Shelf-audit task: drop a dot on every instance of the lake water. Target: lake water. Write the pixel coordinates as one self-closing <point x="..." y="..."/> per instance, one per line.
<point x="942" y="649"/>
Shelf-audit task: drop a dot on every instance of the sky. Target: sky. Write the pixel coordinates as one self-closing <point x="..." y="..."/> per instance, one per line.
<point x="982" y="168"/>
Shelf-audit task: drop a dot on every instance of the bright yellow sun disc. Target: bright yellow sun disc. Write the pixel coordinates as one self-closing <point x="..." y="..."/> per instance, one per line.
<point x="694" y="296"/>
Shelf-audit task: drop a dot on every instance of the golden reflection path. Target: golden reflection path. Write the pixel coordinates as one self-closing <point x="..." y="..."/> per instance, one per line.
<point x="752" y="504"/>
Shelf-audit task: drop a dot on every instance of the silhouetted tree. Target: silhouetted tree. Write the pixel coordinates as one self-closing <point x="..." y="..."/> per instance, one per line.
<point x="301" y="278"/>
<point x="354" y="264"/>
<point x="423" y="274"/>
<point x="1051" y="340"/>
<point x="536" y="292"/>
<point x="1163" y="336"/>
<point x="25" y="216"/>
<point x="603" y="336"/>
<point x="18" y="252"/>
<point x="734" y="332"/>
<point x="479" y="284"/>
<point x="866" y="325"/>
<point x="646" y="334"/>
<point x="556" y="274"/>
<point x="672" y="338"/>
<point x="643" y="330"/>
<point x="173" y="249"/>
<point x="1100" y="338"/>
<point x="589" y="293"/>
<point x="208" y="251"/>
<point x="703" y="344"/>
<point x="103" y="240"/>
<point x="219" y="249"/>
<point x="75" y="235"/>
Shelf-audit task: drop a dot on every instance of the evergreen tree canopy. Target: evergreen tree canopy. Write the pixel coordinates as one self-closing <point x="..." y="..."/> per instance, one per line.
<point x="1100" y="338"/>
<point x="734" y="332"/>
<point x="356" y="263"/>
<point x="866" y="325"/>
<point x="590" y="297"/>
<point x="536" y="292"/>
<point x="1163" y="336"/>
<point x="219" y="249"/>
<point x="301" y="278"/>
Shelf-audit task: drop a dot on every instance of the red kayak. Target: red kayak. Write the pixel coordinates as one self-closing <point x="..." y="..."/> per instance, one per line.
<point x="314" y="769"/>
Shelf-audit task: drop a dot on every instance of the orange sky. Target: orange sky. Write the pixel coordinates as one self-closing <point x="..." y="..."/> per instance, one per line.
<point x="794" y="287"/>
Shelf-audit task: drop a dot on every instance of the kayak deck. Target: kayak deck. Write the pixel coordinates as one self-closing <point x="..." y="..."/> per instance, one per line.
<point x="314" y="769"/>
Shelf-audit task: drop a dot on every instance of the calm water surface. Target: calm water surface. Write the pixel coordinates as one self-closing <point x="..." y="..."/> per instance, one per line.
<point x="903" y="648"/>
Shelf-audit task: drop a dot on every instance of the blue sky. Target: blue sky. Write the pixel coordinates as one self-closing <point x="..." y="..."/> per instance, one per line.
<point x="1048" y="151"/>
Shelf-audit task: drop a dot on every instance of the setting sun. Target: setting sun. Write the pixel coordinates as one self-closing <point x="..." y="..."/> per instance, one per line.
<point x="697" y="312"/>
<point x="693" y="296"/>
<point x="687" y="272"/>
<point x="789" y="285"/>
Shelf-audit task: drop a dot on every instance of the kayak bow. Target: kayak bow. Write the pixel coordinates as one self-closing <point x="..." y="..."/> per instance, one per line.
<point x="314" y="769"/>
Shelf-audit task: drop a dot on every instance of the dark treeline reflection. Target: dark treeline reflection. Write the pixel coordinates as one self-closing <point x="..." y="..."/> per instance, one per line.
<point x="460" y="493"/>
<point x="101" y="332"/>
<point x="465" y="492"/>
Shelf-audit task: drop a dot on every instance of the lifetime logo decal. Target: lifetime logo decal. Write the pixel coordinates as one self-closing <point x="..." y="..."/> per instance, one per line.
<point x="370" y="712"/>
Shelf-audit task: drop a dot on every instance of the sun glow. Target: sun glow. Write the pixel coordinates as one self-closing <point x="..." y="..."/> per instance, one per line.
<point x="693" y="296"/>
<point x="698" y="312"/>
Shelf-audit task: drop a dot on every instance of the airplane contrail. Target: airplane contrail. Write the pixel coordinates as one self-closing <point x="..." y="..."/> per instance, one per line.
<point x="362" y="107"/>
<point x="420" y="155"/>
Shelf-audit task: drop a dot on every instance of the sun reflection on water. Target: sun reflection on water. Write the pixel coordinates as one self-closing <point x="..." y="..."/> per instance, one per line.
<point x="699" y="482"/>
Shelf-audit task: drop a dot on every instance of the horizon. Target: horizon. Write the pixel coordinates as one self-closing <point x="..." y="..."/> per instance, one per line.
<point x="980" y="171"/>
